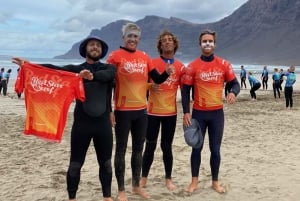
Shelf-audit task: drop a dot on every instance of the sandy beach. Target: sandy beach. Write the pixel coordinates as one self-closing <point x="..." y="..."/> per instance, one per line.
<point x="260" y="157"/>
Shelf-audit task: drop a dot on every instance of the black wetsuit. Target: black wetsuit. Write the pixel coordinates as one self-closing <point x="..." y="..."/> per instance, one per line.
<point x="92" y="121"/>
<point x="211" y="120"/>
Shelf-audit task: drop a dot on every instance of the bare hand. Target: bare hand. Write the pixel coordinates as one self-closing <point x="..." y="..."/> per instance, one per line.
<point x="187" y="119"/>
<point x="86" y="74"/>
<point x="18" y="60"/>
<point x="230" y="98"/>
<point x="155" y="87"/>
<point x="170" y="69"/>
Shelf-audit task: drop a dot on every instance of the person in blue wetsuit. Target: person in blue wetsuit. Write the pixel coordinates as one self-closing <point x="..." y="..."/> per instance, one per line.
<point x="4" y="81"/>
<point x="281" y="78"/>
<point x="254" y="84"/>
<point x="243" y="75"/>
<point x="276" y="83"/>
<point x="265" y="77"/>
<point x="288" y="89"/>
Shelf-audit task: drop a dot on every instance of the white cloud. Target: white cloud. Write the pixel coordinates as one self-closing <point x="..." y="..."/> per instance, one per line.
<point x="51" y="27"/>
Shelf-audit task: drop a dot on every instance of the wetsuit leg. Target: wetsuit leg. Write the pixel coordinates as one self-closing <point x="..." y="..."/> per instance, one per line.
<point x="215" y="133"/>
<point x="80" y="141"/>
<point x="291" y="97"/>
<point x="103" y="142"/>
<point x="278" y="88"/>
<point x="288" y="93"/>
<point x="274" y="90"/>
<point x="138" y="135"/>
<point x="287" y="97"/>
<point x="214" y="122"/>
<point x="151" y="142"/>
<point x="4" y="86"/>
<point x="252" y="92"/>
<point x="255" y="87"/>
<point x="244" y="80"/>
<point x="122" y="128"/>
<point x="195" y="159"/>
<point x="167" y="136"/>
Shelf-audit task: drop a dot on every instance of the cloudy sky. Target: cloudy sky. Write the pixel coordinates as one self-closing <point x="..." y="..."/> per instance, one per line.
<point x="43" y="29"/>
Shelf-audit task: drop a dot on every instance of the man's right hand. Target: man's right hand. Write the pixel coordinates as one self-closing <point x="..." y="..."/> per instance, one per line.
<point x="187" y="119"/>
<point x="170" y="69"/>
<point x="18" y="60"/>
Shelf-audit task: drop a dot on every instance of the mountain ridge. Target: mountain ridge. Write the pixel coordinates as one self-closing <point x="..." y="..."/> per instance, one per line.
<point x="258" y="32"/>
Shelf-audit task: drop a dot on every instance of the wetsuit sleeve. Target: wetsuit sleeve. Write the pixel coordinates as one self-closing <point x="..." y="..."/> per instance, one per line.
<point x="158" y="78"/>
<point x="185" y="98"/>
<point x="109" y="94"/>
<point x="233" y="87"/>
<point x="105" y="75"/>
<point x="70" y="67"/>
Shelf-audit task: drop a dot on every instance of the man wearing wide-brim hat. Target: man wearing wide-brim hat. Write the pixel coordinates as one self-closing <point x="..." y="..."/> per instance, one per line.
<point x="91" y="117"/>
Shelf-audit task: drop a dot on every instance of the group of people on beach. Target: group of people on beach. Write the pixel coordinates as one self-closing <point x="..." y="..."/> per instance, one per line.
<point x="125" y="78"/>
<point x="278" y="77"/>
<point x="4" y="78"/>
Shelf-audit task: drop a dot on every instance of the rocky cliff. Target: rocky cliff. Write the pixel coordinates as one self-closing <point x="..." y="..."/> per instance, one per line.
<point x="259" y="32"/>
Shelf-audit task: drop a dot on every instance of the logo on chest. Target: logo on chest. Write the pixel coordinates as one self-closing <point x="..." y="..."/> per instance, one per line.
<point x="211" y="76"/>
<point x="134" y="67"/>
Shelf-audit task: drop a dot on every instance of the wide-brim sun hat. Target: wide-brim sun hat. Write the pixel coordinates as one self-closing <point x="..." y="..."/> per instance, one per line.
<point x="82" y="47"/>
<point x="193" y="135"/>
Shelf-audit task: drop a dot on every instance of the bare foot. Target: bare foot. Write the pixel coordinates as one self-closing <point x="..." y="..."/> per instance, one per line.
<point x="72" y="200"/>
<point x="217" y="187"/>
<point x="122" y="196"/>
<point x="139" y="191"/>
<point x="170" y="185"/>
<point x="193" y="185"/>
<point x="143" y="182"/>
<point x="191" y="188"/>
<point x="108" y="199"/>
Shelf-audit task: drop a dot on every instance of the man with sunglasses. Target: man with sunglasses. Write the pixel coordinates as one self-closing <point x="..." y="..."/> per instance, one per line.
<point x="207" y="74"/>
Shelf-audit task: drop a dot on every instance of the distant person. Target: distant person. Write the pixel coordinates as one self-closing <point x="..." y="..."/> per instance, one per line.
<point x="254" y="84"/>
<point x="288" y="89"/>
<point x="281" y="78"/>
<point x="1" y="75"/>
<point x="134" y="68"/>
<point x="91" y="117"/>
<point x="243" y="75"/>
<point x="265" y="78"/>
<point x="4" y="81"/>
<point x="162" y="109"/>
<point x="207" y="74"/>
<point x="276" y="83"/>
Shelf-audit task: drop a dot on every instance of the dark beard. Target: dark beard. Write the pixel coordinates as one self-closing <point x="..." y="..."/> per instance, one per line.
<point x="94" y="58"/>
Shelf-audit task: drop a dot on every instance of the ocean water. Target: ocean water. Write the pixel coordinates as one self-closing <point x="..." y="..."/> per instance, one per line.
<point x="5" y="61"/>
